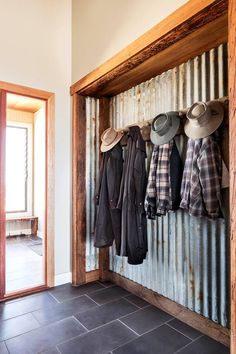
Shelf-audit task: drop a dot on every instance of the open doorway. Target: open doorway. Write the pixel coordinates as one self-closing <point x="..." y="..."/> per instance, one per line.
<point x="27" y="190"/>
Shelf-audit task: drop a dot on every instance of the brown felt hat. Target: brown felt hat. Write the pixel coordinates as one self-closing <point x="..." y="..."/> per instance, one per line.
<point x="203" y="119"/>
<point x="110" y="137"/>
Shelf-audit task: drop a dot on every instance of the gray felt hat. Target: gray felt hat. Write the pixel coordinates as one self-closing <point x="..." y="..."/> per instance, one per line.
<point x="203" y="119"/>
<point x="164" y="127"/>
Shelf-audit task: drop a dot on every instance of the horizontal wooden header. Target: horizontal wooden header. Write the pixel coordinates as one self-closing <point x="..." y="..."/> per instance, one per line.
<point x="25" y="91"/>
<point x="197" y="26"/>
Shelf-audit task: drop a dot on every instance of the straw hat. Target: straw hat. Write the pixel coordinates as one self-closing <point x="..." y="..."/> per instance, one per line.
<point x="164" y="127"/>
<point x="110" y="137"/>
<point x="203" y="119"/>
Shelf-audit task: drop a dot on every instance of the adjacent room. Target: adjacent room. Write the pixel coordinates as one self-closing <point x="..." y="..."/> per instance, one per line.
<point x="25" y="192"/>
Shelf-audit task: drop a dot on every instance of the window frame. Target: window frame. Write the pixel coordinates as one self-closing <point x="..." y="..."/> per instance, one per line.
<point x="29" y="197"/>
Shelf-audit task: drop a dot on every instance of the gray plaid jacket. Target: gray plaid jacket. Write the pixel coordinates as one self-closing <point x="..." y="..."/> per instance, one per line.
<point x="201" y="184"/>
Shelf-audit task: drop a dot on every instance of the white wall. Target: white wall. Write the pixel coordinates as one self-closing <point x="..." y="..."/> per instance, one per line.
<point x="36" y="51"/>
<point x="35" y="41"/>
<point x="101" y="28"/>
<point x="39" y="169"/>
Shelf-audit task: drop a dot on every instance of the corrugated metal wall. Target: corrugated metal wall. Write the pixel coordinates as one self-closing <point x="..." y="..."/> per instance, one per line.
<point x="92" y="167"/>
<point x="188" y="257"/>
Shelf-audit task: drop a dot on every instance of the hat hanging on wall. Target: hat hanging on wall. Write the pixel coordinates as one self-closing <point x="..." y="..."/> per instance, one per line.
<point x="164" y="127"/>
<point x="110" y="137"/>
<point x="203" y="119"/>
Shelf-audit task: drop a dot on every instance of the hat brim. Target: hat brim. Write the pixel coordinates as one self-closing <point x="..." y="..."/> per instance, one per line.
<point x="160" y="140"/>
<point x="212" y="125"/>
<point x="105" y="148"/>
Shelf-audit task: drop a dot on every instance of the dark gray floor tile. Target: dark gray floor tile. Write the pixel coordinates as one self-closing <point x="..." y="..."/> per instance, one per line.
<point x="137" y="301"/>
<point x="106" y="283"/>
<point x="67" y="291"/>
<point x="146" y="319"/>
<point x="17" y="325"/>
<point x="205" y="345"/>
<point x="162" y="340"/>
<point x="64" y="309"/>
<point x="3" y="348"/>
<point x="109" y="294"/>
<point x="185" y="329"/>
<point x="51" y="351"/>
<point x="46" y="337"/>
<point x="99" y="341"/>
<point x="25" y="305"/>
<point x="105" y="313"/>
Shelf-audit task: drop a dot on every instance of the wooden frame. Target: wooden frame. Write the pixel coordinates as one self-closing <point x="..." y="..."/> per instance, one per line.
<point x="2" y="191"/>
<point x="48" y="97"/>
<point x="232" y="156"/>
<point x="191" y="30"/>
<point x="194" y="28"/>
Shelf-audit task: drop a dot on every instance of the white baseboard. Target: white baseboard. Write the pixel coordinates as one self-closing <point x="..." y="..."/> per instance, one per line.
<point x="18" y="232"/>
<point x="63" y="278"/>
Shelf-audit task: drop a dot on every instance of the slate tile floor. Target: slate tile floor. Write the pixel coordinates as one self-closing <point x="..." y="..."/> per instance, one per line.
<point x="97" y="318"/>
<point x="24" y="262"/>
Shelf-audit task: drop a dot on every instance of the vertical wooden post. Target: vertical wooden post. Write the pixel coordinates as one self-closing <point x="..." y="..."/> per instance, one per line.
<point x="232" y="146"/>
<point x="49" y="240"/>
<point x="78" y="191"/>
<point x="104" y="123"/>
<point x="2" y="191"/>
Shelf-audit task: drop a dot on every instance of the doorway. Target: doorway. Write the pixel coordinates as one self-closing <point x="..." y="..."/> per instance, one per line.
<point x="27" y="190"/>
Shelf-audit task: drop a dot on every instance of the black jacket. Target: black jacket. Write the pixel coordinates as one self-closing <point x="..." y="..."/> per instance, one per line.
<point x="108" y="218"/>
<point x="131" y="199"/>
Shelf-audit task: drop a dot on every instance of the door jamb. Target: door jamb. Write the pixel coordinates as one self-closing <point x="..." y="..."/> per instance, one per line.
<point x="49" y="99"/>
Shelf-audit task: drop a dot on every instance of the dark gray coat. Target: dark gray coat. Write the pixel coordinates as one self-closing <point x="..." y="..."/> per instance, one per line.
<point x="131" y="199"/>
<point x="108" y="218"/>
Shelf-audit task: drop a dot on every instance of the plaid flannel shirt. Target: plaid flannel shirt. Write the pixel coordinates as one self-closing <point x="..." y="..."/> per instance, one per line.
<point x="159" y="188"/>
<point x="201" y="183"/>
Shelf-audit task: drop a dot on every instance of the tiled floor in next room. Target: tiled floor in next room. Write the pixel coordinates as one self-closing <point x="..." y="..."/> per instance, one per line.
<point x="95" y="319"/>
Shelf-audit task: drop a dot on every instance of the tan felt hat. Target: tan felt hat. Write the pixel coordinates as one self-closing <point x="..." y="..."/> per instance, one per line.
<point x="203" y="119"/>
<point x="110" y="137"/>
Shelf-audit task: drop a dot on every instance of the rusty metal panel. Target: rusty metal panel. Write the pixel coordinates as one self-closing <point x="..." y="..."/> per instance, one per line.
<point x="92" y="162"/>
<point x="187" y="258"/>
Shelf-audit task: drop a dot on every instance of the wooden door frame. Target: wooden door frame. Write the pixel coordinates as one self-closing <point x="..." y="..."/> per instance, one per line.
<point x="49" y="99"/>
<point x="196" y="27"/>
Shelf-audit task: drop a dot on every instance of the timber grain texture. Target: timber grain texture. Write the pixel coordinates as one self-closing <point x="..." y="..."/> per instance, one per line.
<point x="194" y="16"/>
<point x="78" y="191"/>
<point x="232" y="155"/>
<point x="104" y="123"/>
<point x="2" y="191"/>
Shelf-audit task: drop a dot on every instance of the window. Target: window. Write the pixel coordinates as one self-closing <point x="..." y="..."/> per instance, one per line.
<point x="18" y="169"/>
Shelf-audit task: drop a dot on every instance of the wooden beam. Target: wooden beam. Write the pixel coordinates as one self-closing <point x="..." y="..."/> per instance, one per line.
<point x="92" y="276"/>
<point x="232" y="157"/>
<point x="2" y="192"/>
<point x="49" y="240"/>
<point x="187" y="48"/>
<point x="25" y="90"/>
<point x="186" y="20"/>
<point x="21" y="293"/>
<point x="193" y="319"/>
<point x="104" y="123"/>
<point x="78" y="191"/>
